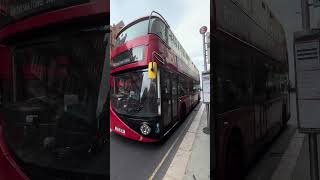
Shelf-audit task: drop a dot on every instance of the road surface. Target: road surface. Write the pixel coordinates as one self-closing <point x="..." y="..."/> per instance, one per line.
<point x="134" y="160"/>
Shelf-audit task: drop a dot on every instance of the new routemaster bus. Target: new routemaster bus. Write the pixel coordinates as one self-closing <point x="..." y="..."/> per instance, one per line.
<point x="250" y="77"/>
<point x="54" y="89"/>
<point x="153" y="82"/>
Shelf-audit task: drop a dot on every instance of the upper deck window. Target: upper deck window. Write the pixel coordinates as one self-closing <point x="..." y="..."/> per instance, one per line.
<point x="136" y="30"/>
<point x="140" y="28"/>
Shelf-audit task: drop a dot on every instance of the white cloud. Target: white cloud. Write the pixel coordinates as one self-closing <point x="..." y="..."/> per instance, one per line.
<point x="185" y="18"/>
<point x="187" y="31"/>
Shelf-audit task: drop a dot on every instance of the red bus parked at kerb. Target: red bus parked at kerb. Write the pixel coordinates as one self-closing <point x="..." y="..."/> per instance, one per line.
<point x="54" y="89"/>
<point x="153" y="82"/>
<point x="250" y="83"/>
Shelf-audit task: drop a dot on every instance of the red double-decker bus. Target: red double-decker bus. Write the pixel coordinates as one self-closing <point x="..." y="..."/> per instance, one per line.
<point x="153" y="82"/>
<point x="54" y="89"/>
<point x="250" y="83"/>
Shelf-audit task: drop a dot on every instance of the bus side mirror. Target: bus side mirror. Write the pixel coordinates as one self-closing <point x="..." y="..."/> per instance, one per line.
<point x="152" y="70"/>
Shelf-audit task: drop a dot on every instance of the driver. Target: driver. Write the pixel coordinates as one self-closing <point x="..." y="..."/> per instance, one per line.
<point x="121" y="86"/>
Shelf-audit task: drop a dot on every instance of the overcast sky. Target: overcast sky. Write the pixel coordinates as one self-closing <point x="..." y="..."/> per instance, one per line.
<point x="185" y="17"/>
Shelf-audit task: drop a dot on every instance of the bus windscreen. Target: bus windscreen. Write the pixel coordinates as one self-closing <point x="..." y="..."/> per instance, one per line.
<point x="55" y="116"/>
<point x="134" y="94"/>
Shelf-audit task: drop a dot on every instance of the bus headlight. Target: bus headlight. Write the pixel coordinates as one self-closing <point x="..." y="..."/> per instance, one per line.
<point x="145" y="129"/>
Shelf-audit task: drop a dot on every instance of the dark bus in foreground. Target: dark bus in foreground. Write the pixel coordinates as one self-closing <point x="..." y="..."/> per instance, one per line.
<point x="250" y="83"/>
<point x="153" y="82"/>
<point x="54" y="89"/>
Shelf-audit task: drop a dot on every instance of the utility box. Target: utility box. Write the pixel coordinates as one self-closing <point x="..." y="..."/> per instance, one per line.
<point x="307" y="73"/>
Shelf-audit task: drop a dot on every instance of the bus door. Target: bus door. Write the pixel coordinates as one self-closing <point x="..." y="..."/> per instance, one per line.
<point x="174" y="82"/>
<point x="260" y="120"/>
<point x="5" y="70"/>
<point x="1" y="92"/>
<point x="260" y="107"/>
<point x="166" y="97"/>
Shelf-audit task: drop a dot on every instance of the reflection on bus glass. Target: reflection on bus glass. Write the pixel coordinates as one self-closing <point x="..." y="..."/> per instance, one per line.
<point x="129" y="56"/>
<point x="134" y="93"/>
<point x="140" y="28"/>
<point x="56" y="113"/>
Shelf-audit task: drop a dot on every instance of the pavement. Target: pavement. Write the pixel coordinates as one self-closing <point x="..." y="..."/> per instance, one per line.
<point x="287" y="158"/>
<point x="192" y="160"/>
<point x="295" y="163"/>
<point x="265" y="167"/>
<point x="135" y="160"/>
<point x="199" y="162"/>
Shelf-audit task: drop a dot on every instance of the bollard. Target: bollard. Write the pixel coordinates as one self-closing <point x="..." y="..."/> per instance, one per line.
<point x="313" y="156"/>
<point x="206" y="130"/>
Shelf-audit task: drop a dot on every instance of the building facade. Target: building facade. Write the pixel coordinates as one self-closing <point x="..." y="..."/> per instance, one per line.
<point x="115" y="29"/>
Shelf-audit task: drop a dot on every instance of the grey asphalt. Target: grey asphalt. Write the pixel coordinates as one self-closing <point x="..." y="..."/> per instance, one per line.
<point x="137" y="161"/>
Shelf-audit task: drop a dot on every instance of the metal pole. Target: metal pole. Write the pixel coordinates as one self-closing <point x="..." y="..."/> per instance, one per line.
<point x="208" y="116"/>
<point x="206" y="130"/>
<point x="204" y="53"/>
<point x="305" y="15"/>
<point x="313" y="156"/>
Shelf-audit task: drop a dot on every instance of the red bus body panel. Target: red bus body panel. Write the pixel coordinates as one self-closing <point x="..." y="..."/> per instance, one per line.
<point x="151" y="43"/>
<point x="8" y="168"/>
<point x="5" y="63"/>
<point x="245" y="119"/>
<point x="57" y="16"/>
<point x="115" y="121"/>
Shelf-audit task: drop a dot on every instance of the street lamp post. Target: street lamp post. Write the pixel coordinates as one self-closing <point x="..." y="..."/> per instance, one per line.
<point x="203" y="31"/>
<point x="305" y="15"/>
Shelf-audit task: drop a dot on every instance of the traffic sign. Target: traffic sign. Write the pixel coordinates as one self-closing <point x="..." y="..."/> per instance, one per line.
<point x="203" y="29"/>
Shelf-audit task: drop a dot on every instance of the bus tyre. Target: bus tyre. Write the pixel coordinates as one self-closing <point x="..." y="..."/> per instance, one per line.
<point x="235" y="159"/>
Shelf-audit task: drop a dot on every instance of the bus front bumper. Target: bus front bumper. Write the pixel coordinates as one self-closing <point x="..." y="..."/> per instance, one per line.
<point x="119" y="127"/>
